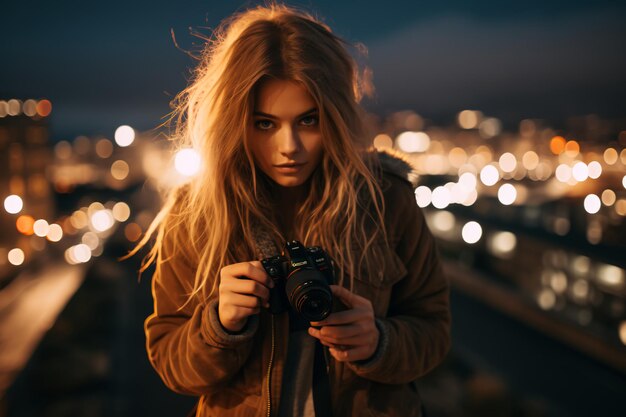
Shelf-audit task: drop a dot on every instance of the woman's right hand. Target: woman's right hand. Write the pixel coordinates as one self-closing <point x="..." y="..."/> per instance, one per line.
<point x="244" y="288"/>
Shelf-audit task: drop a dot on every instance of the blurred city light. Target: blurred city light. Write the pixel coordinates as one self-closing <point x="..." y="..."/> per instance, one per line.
<point x="610" y="156"/>
<point x="580" y="171"/>
<point x="41" y="228"/>
<point x="507" y="194"/>
<point x="121" y="211"/>
<point x="124" y="135"/>
<point x="55" y="233"/>
<point x="471" y="232"/>
<point x="16" y="256"/>
<point x="441" y="197"/>
<point x="592" y="204"/>
<point x="120" y="170"/>
<point x="423" y="196"/>
<point x="469" y="119"/>
<point x="413" y="141"/>
<point x="489" y="175"/>
<point x="104" y="148"/>
<point x="187" y="162"/>
<point x="507" y="162"/>
<point x="443" y="221"/>
<point x="595" y="169"/>
<point x="44" y="108"/>
<point x="102" y="220"/>
<point x="13" y="204"/>
<point x="383" y="141"/>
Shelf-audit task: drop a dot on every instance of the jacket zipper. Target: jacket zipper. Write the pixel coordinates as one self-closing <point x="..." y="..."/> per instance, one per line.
<point x="269" y="373"/>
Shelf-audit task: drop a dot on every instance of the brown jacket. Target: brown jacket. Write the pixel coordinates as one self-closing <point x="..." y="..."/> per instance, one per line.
<point x="240" y="374"/>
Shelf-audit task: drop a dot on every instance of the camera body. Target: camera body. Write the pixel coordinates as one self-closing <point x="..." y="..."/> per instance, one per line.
<point x="302" y="277"/>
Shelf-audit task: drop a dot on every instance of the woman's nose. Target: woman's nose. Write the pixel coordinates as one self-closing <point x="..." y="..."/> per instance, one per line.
<point x="288" y="141"/>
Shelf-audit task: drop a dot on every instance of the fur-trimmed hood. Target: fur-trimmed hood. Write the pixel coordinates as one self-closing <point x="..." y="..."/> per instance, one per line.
<point x="398" y="164"/>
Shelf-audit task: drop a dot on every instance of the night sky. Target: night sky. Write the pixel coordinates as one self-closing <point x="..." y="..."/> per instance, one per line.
<point x="103" y="64"/>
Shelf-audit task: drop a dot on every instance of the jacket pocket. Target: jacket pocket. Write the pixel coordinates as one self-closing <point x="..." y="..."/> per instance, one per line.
<point x="376" y="283"/>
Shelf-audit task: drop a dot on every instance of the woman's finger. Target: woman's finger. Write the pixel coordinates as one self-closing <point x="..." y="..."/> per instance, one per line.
<point x="249" y="301"/>
<point x="252" y="270"/>
<point x="341" y="332"/>
<point x="358" y="353"/>
<point x="247" y="287"/>
<point x="350" y="299"/>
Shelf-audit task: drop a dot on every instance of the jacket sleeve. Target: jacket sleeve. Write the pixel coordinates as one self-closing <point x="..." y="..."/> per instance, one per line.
<point x="188" y="347"/>
<point x="415" y="335"/>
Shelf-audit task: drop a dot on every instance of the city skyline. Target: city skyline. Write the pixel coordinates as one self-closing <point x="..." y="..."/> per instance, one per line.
<point x="107" y="65"/>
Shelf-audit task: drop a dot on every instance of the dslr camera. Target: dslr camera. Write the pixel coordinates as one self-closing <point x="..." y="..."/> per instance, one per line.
<point x="301" y="276"/>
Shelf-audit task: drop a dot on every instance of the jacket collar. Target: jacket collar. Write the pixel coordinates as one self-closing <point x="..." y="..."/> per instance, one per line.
<point x="398" y="164"/>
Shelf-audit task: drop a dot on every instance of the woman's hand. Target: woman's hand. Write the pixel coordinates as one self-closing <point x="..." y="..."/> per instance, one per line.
<point x="244" y="288"/>
<point x="351" y="335"/>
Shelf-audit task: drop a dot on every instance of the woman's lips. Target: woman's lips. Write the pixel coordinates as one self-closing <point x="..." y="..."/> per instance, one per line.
<point x="289" y="169"/>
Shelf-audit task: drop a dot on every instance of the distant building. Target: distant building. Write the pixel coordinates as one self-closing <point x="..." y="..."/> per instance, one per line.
<point x="24" y="158"/>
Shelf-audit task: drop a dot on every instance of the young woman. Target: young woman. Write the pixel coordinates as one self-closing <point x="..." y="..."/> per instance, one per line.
<point x="273" y="110"/>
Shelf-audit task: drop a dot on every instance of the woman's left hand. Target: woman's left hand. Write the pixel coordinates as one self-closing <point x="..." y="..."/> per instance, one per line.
<point x="351" y="335"/>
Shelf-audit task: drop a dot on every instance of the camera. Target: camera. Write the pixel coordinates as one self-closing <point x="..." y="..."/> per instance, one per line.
<point x="302" y="278"/>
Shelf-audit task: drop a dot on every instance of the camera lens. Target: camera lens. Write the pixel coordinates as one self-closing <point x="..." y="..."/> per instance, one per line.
<point x="309" y="294"/>
<point x="315" y="306"/>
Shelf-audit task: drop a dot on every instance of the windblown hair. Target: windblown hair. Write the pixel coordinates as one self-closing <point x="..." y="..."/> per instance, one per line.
<point x="210" y="219"/>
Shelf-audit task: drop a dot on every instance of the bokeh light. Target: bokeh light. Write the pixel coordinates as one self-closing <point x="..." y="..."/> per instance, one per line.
<point x="595" y="169"/>
<point x="132" y="231"/>
<point x="124" y="135"/>
<point x="608" y="197"/>
<point x="502" y="244"/>
<point x="16" y="256"/>
<point x="610" y="156"/>
<point x="383" y="141"/>
<point x="572" y="148"/>
<point x="471" y="232"/>
<point x="507" y="162"/>
<point x="441" y="197"/>
<point x="121" y="211"/>
<point x="530" y="160"/>
<point x="187" y="162"/>
<point x="592" y="204"/>
<point x="41" y="228"/>
<point x="563" y="173"/>
<point x="104" y="148"/>
<point x="120" y="170"/>
<point x="469" y="119"/>
<point x="423" y="196"/>
<point x="507" y="194"/>
<point x="55" y="233"/>
<point x="443" y="221"/>
<point x="13" y="204"/>
<point x="557" y="145"/>
<point x="489" y="175"/>
<point x="44" y="108"/>
<point x="24" y="225"/>
<point x="102" y="220"/>
<point x="580" y="171"/>
<point x="413" y="141"/>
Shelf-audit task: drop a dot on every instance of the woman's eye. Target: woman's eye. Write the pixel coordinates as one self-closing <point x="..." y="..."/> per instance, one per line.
<point x="264" y="124"/>
<point x="309" y="121"/>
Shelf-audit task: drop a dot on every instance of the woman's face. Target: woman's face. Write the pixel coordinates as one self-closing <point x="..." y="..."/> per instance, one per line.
<point x="285" y="131"/>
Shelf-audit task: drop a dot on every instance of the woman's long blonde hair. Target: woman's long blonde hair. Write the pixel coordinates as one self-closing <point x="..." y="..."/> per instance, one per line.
<point x="210" y="220"/>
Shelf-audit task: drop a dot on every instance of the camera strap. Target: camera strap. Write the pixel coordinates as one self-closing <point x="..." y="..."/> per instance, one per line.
<point x="321" y="386"/>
